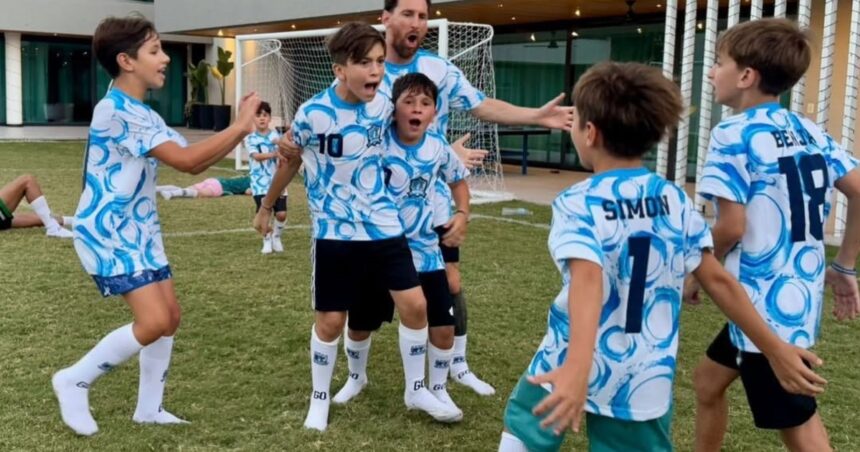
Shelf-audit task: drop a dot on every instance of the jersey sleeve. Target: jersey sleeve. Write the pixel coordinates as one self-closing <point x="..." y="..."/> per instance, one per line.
<point x="573" y="234"/>
<point x="251" y="144"/>
<point x="839" y="161"/>
<point x="452" y="169"/>
<point x="142" y="132"/>
<point x="301" y="129"/>
<point x="463" y="96"/>
<point x="725" y="174"/>
<point x="697" y="237"/>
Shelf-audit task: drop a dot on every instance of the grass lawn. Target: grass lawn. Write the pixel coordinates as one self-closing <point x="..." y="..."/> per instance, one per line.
<point x="240" y="369"/>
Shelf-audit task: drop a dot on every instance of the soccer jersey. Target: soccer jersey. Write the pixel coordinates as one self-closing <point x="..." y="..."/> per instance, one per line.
<point x="455" y="93"/>
<point x="261" y="172"/>
<point x="646" y="235"/>
<point x="412" y="174"/>
<point x="782" y="167"/>
<point x="342" y="154"/>
<point x="117" y="231"/>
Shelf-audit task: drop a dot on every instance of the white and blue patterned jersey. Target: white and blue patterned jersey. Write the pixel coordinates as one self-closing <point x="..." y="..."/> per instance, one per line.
<point x="646" y="235"/>
<point x="117" y="231"/>
<point x="412" y="172"/>
<point x="262" y="172"/>
<point x="782" y="167"/>
<point x="455" y="93"/>
<point x="342" y="154"/>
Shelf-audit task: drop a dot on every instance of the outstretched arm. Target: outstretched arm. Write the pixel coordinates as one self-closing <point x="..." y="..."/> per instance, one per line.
<point x="839" y="276"/>
<point x="552" y="115"/>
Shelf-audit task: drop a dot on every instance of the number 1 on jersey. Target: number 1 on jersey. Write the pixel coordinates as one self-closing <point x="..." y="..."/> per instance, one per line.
<point x="639" y="250"/>
<point x="799" y="179"/>
<point x="331" y="144"/>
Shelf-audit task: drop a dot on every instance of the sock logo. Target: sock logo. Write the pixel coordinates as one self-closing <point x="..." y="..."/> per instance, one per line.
<point x="459" y="359"/>
<point x="441" y="364"/>
<point x="354" y="354"/>
<point x="353" y="375"/>
<point x="417" y="384"/>
<point x="441" y="387"/>
<point x="83" y="385"/>
<point x="418" y="350"/>
<point x="106" y="366"/>
<point x="463" y="373"/>
<point x="320" y="359"/>
<point x="320" y="395"/>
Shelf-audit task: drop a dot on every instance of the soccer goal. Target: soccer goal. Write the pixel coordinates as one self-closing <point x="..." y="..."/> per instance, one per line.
<point x="288" y="68"/>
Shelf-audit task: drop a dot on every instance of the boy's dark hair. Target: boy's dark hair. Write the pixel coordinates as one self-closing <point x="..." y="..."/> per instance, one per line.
<point x="777" y="48"/>
<point x="352" y="42"/>
<point x="391" y="4"/>
<point x="633" y="106"/>
<point x="115" y="35"/>
<point x="264" y="107"/>
<point x="415" y="82"/>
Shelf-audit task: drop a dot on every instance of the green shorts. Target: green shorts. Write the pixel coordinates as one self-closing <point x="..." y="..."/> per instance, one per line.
<point x="605" y="434"/>
<point x="5" y="216"/>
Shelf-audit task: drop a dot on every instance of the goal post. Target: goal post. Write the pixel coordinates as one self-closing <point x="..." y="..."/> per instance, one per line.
<point x="288" y="68"/>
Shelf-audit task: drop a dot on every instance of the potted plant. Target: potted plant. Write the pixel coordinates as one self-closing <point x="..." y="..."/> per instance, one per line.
<point x="198" y="113"/>
<point x="221" y="71"/>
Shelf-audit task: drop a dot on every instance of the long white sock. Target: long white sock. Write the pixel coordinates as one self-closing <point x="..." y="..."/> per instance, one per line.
<point x="413" y="349"/>
<point x="510" y="443"/>
<point x="357" y="353"/>
<point x="186" y="193"/>
<point x="71" y="384"/>
<point x="154" y="364"/>
<point x="161" y="188"/>
<point x="460" y="369"/>
<point x="40" y="206"/>
<point x="439" y="362"/>
<point x="279" y="228"/>
<point x="323" y="357"/>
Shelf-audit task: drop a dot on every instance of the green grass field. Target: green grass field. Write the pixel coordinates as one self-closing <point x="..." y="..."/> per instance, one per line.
<point x="240" y="368"/>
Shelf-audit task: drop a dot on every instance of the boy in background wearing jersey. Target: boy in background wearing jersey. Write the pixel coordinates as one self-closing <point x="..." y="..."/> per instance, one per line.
<point x="359" y="243"/>
<point x="415" y="159"/>
<point x="623" y="241"/>
<point x="782" y="167"/>
<point x="263" y="161"/>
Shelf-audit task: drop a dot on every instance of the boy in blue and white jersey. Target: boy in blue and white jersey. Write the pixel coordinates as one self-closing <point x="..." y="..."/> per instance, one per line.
<point x="117" y="232"/>
<point x="771" y="173"/>
<point x="360" y="253"/>
<point x="262" y="146"/>
<point x="405" y="24"/>
<point x="623" y="240"/>
<point x="414" y="160"/>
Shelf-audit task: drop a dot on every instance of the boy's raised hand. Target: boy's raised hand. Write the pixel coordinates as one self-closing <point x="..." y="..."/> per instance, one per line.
<point x="248" y="111"/>
<point x="566" y="403"/>
<point x="846" y="297"/>
<point x="793" y="374"/>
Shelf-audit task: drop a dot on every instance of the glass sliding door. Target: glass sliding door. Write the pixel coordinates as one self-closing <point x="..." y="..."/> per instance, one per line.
<point x="57" y="82"/>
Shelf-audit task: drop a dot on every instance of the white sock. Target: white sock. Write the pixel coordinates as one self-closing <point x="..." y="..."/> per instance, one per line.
<point x="357" y="353"/>
<point x="439" y="362"/>
<point x="71" y="384"/>
<point x="69" y="221"/>
<point x="279" y="227"/>
<point x="413" y="349"/>
<point x="510" y="443"/>
<point x="186" y="193"/>
<point x="460" y="369"/>
<point x="323" y="357"/>
<point x="154" y="362"/>
<point x="161" y="188"/>
<point x="40" y="206"/>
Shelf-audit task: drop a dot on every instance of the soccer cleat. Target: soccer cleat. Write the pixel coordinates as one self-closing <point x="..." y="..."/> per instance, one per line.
<point x="162" y="417"/>
<point x="277" y="246"/>
<point x="74" y="404"/>
<point x="424" y="401"/>
<point x="267" y="245"/>
<point x="60" y="232"/>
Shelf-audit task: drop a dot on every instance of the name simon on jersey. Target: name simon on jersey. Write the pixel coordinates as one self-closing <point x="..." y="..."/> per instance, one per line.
<point x="648" y="206"/>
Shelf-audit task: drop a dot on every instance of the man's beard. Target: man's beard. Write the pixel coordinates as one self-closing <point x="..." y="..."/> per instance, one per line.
<point x="404" y="51"/>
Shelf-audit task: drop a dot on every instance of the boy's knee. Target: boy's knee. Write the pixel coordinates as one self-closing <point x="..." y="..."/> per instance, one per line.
<point x="328" y="327"/>
<point x="706" y="389"/>
<point x="281" y="216"/>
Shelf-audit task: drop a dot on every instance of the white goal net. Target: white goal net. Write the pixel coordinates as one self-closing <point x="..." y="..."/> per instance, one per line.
<point x="288" y="68"/>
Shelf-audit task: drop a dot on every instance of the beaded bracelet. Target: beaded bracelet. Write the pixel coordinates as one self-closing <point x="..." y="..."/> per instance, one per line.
<point x="844" y="270"/>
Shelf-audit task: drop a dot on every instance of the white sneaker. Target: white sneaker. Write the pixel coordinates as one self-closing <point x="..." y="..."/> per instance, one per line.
<point x="423" y="400"/>
<point x="166" y="194"/>
<point x="267" y="245"/>
<point x="60" y="232"/>
<point x="277" y="246"/>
